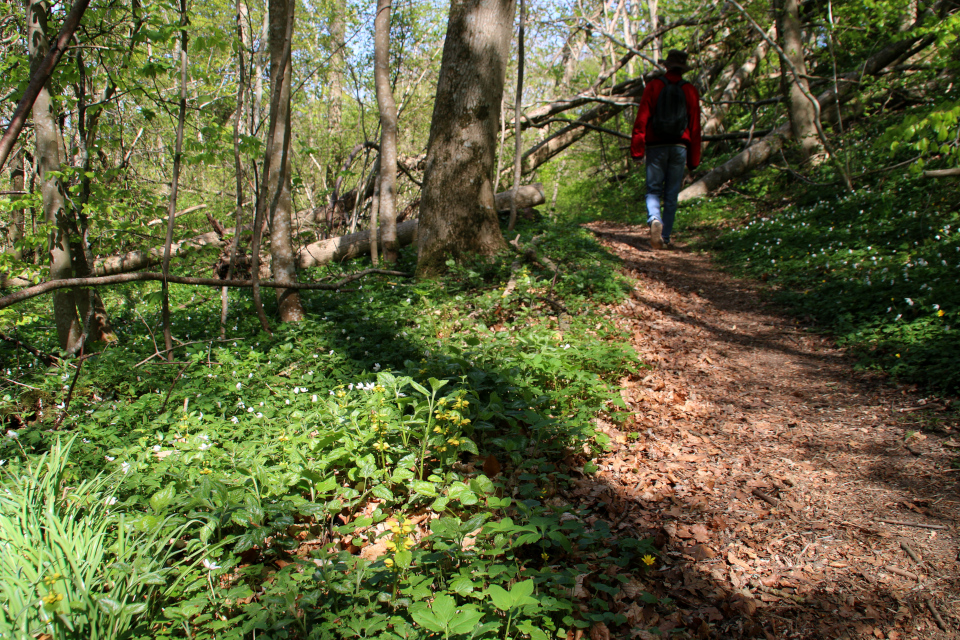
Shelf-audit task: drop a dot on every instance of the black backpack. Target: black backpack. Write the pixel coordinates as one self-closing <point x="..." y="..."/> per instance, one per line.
<point x="670" y="118"/>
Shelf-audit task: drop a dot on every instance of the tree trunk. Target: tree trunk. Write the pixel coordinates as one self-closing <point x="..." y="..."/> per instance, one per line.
<point x="457" y="216"/>
<point x="802" y="112"/>
<point x="175" y="180"/>
<point x="517" y="107"/>
<point x="279" y="183"/>
<point x="69" y="330"/>
<point x="387" y="212"/>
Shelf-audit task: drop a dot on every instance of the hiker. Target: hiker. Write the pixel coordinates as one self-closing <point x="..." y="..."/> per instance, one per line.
<point x="667" y="132"/>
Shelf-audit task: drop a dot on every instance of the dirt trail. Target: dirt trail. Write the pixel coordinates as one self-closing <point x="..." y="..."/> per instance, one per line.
<point x="766" y="465"/>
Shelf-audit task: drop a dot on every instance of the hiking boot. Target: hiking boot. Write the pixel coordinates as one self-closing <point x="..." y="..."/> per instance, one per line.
<point x="656" y="234"/>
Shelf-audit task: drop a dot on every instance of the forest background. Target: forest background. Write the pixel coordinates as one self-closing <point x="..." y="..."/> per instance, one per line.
<point x="363" y="453"/>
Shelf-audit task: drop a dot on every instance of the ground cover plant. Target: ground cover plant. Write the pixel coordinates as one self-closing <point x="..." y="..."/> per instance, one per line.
<point x="393" y="466"/>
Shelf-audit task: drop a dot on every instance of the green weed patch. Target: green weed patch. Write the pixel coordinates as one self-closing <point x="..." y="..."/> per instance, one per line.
<point x="389" y="467"/>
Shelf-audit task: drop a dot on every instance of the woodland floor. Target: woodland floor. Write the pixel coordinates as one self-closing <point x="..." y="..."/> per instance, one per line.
<point x="742" y="403"/>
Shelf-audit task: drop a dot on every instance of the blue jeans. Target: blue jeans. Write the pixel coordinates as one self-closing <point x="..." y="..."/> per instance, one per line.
<point x="665" y="166"/>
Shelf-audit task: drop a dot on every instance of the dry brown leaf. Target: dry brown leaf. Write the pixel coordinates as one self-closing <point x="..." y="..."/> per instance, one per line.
<point x="700" y="552"/>
<point x="700" y="533"/>
<point x="599" y="631"/>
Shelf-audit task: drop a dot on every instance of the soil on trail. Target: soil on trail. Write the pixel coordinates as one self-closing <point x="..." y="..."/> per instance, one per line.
<point x="772" y="474"/>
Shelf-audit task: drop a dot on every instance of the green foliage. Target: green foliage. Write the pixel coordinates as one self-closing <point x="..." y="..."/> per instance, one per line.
<point x="271" y="461"/>
<point x="73" y="564"/>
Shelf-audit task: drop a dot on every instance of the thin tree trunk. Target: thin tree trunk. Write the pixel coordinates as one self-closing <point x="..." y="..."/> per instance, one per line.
<point x="793" y="78"/>
<point x="238" y="167"/>
<point x="517" y="107"/>
<point x="47" y="131"/>
<point x="43" y="61"/>
<point x="283" y="257"/>
<point x="387" y="210"/>
<point x="374" y="223"/>
<point x="654" y="23"/>
<point x="175" y="180"/>
<point x="457" y="214"/>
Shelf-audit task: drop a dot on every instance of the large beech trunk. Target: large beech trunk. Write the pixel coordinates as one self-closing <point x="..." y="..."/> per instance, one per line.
<point x="69" y="329"/>
<point x="457" y="213"/>
<point x="283" y="260"/>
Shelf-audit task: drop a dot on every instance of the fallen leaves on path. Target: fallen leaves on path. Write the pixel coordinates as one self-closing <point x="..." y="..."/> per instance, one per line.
<point x="765" y="467"/>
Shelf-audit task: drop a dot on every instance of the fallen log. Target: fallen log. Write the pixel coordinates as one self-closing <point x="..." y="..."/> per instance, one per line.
<point x="350" y="246"/>
<point x="529" y="195"/>
<point x="760" y="152"/>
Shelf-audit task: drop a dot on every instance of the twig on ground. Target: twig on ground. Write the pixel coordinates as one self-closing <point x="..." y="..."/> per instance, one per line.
<point x="183" y="344"/>
<point x="910" y="551"/>
<point x="919" y="525"/>
<point x="22" y="385"/>
<point x="172" y="385"/>
<point x="768" y="499"/>
<point x="901" y="572"/>
<point x="936" y="615"/>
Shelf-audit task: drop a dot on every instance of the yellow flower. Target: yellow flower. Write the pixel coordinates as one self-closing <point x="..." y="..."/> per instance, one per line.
<point x="388" y="562"/>
<point x="441" y="449"/>
<point x="898" y="355"/>
<point x="379" y="389"/>
<point x="442" y="401"/>
<point x="341" y="393"/>
<point x="648" y="560"/>
<point x="544" y="556"/>
<point x="464" y="422"/>
<point x="52" y="598"/>
<point x="941" y="313"/>
<point x="453" y="441"/>
<point x="437" y="430"/>
<point x="389" y="544"/>
<point x="205" y="472"/>
<point x="53" y="577"/>
<point x="408" y="543"/>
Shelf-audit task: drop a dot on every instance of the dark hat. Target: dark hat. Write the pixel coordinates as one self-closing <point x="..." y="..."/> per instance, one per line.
<point x="676" y="59"/>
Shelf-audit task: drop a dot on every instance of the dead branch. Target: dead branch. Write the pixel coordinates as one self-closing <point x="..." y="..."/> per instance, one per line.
<point x="49" y="359"/>
<point x="147" y="276"/>
<point x="942" y="173"/>
<point x="919" y="525"/>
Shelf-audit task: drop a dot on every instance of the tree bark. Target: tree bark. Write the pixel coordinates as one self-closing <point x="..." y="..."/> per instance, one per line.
<point x="457" y="216"/>
<point x="517" y="108"/>
<point x="283" y="261"/>
<point x="69" y="329"/>
<point x="387" y="210"/>
<point x="175" y="180"/>
<point x="803" y="113"/>
<point x="237" y="165"/>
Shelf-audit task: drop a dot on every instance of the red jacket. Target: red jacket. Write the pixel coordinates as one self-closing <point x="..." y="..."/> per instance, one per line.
<point x="644" y="137"/>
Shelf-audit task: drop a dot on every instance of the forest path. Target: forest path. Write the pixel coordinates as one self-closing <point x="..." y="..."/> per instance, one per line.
<point x="740" y="404"/>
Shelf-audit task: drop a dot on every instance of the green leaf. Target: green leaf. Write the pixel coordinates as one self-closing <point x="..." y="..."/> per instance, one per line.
<point x="444" y="607"/>
<point x="162" y="499"/>
<point x="403" y="558"/>
<point x="501" y="598"/>
<point x="110" y="606"/>
<point x="466" y="619"/>
<point x="425" y="618"/>
<point x="381" y="491"/>
<point x="424" y="488"/>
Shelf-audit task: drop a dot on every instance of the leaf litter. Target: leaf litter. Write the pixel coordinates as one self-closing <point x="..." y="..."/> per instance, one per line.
<point x="767" y="471"/>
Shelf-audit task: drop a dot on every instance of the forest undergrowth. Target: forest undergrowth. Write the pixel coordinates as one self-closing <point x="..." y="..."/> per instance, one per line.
<point x="388" y="467"/>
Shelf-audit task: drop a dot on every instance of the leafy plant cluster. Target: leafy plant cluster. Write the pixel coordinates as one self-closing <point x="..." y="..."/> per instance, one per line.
<point x="334" y="479"/>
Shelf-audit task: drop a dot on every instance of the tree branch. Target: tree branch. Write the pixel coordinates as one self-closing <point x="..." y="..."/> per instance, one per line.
<point x="145" y="276"/>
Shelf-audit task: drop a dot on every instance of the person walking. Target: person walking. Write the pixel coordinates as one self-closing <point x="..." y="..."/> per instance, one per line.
<point x="667" y="133"/>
